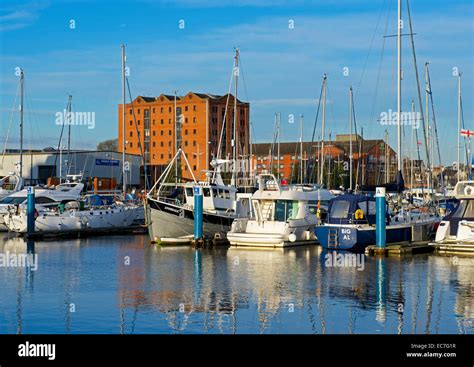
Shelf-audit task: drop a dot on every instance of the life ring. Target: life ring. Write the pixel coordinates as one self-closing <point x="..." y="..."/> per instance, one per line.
<point x="359" y="214"/>
<point x="468" y="190"/>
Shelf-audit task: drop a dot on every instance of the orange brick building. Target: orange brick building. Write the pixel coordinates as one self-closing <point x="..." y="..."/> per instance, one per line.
<point x="192" y="122"/>
<point x="368" y="156"/>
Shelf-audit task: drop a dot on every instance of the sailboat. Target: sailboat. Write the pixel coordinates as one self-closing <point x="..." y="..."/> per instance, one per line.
<point x="351" y="218"/>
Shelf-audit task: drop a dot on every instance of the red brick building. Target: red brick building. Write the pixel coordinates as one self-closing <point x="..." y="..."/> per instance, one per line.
<point x="192" y="122"/>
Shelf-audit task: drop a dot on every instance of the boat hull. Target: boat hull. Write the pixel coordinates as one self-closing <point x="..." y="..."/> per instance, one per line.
<point x="77" y="221"/>
<point x="171" y="221"/>
<point x="358" y="238"/>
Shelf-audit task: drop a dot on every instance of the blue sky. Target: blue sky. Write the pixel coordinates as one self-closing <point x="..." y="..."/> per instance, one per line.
<point x="282" y="67"/>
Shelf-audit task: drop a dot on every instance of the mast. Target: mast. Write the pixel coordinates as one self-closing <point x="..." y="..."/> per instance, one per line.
<point x="301" y="149"/>
<point x="124" y="175"/>
<point x="234" y="135"/>
<point x="176" y="140"/>
<point x="321" y="172"/>
<point x="399" y="90"/>
<point x="22" y="92"/>
<point x="387" y="157"/>
<point x="278" y="148"/>
<point x="412" y="143"/>
<point x="427" y="124"/>
<point x="459" y="127"/>
<point x="69" y="134"/>
<point x="350" y="139"/>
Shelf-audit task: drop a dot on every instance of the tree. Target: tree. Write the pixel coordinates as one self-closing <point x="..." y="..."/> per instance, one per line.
<point x="111" y="144"/>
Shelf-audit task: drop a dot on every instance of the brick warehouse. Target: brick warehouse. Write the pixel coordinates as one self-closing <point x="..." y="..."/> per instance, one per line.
<point x="192" y="122"/>
<point x="369" y="156"/>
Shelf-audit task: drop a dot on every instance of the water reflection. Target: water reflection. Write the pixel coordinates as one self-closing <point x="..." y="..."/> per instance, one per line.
<point x="125" y="285"/>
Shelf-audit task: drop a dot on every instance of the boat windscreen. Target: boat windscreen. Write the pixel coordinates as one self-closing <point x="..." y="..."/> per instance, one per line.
<point x="13" y="200"/>
<point x="340" y="209"/>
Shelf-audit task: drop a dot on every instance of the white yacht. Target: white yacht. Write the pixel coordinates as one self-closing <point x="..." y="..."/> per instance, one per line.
<point x="44" y="197"/>
<point x="283" y="215"/>
<point x="456" y="231"/>
<point x="100" y="214"/>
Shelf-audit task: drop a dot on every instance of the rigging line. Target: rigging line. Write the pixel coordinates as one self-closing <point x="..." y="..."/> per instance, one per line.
<point x="465" y="138"/>
<point x="10" y="123"/>
<point x="370" y="49"/>
<point x="372" y="114"/>
<point x="53" y="167"/>
<point x="433" y="116"/>
<point x="138" y="136"/>
<point x="310" y="176"/>
<point x="419" y="93"/>
<point x="221" y="135"/>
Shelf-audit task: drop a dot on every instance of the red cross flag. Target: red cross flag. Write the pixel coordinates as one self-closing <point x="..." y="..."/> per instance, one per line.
<point x="465" y="132"/>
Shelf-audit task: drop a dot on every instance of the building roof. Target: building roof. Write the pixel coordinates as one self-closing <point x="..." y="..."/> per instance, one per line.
<point x="171" y="97"/>
<point x="294" y="147"/>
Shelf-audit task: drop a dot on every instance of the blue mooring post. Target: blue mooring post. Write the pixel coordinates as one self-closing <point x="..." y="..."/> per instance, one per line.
<point x="380" y="218"/>
<point x="30" y="210"/>
<point x="197" y="213"/>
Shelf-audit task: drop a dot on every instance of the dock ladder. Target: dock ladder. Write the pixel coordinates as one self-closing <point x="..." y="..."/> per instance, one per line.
<point x="333" y="239"/>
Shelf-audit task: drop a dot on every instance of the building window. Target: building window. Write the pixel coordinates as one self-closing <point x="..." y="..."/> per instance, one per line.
<point x="130" y="112"/>
<point x="194" y="168"/>
<point x="194" y="143"/>
<point x="131" y="123"/>
<point x="169" y="109"/>
<point x="169" y="156"/>
<point x="162" y="156"/>
<point x="162" y="144"/>
<point x="154" y="144"/>
<point x="169" y="143"/>
<point x="131" y="133"/>
<point x="139" y="122"/>
<point x="185" y="143"/>
<point x="131" y="145"/>
<point x="186" y="108"/>
<point x="161" y="109"/>
<point x="186" y="132"/>
<point x="138" y="111"/>
<point x="154" y="133"/>
<point x="194" y="131"/>
<point x="161" y="121"/>
<point x="194" y="108"/>
<point x="154" y="156"/>
<point x="153" y="112"/>
<point x="169" y="132"/>
<point x="169" y="121"/>
<point x="186" y="119"/>
<point x="162" y="132"/>
<point x="194" y="119"/>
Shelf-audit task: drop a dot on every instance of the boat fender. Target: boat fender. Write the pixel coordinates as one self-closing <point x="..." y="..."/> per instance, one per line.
<point x="292" y="237"/>
<point x="359" y="214"/>
<point x="36" y="215"/>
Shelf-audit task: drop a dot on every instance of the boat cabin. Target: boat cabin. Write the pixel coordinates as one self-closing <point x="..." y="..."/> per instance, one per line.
<point x="352" y="209"/>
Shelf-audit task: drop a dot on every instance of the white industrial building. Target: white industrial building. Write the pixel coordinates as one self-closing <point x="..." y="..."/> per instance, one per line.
<point x="39" y="165"/>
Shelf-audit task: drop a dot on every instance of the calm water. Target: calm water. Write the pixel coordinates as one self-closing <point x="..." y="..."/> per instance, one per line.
<point x="126" y="285"/>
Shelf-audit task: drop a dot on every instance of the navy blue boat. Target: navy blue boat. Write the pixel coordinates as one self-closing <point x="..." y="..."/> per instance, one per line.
<point x="351" y="225"/>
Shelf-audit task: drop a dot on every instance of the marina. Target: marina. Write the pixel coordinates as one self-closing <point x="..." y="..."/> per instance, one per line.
<point x="237" y="168"/>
